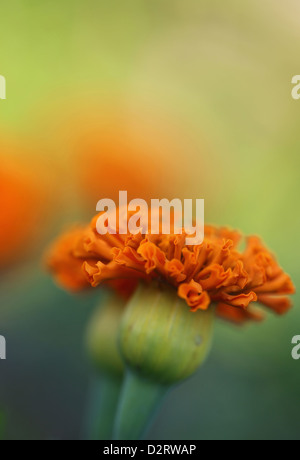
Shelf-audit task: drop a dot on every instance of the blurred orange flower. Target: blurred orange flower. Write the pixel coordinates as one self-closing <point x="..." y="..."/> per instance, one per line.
<point x="112" y="150"/>
<point x="23" y="206"/>
<point x="214" y="271"/>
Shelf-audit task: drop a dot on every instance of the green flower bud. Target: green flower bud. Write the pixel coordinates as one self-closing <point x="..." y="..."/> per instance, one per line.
<point x="102" y="333"/>
<point x="160" y="338"/>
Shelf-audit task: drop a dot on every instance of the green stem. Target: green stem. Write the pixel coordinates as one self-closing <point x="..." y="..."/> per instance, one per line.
<point x="102" y="407"/>
<point x="140" y="398"/>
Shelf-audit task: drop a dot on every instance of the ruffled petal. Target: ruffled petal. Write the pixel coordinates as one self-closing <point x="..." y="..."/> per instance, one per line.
<point x="279" y="304"/>
<point x="237" y="315"/>
<point x="194" y="295"/>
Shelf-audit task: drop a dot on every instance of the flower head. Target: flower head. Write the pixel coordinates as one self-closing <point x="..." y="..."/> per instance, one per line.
<point x="215" y="271"/>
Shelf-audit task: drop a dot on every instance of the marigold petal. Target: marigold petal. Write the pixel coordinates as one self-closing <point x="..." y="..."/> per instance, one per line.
<point x="96" y="246"/>
<point x="194" y="295"/>
<point x="174" y="269"/>
<point x="240" y="300"/>
<point x="212" y="277"/>
<point x="128" y="257"/>
<point x="100" y="272"/>
<point x="280" y="285"/>
<point x="279" y="304"/>
<point x="237" y="315"/>
<point x="61" y="262"/>
<point x="154" y="257"/>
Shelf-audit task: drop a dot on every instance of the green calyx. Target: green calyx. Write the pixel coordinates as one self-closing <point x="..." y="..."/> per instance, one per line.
<point x="102" y="336"/>
<point x="160" y="338"/>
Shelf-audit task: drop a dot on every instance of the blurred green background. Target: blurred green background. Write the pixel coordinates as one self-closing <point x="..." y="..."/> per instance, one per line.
<point x="216" y="77"/>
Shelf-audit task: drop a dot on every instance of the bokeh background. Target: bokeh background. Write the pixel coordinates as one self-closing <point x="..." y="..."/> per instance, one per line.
<point x="164" y="98"/>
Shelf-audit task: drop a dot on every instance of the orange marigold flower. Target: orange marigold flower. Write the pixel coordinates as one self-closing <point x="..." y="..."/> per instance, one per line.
<point x="215" y="271"/>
